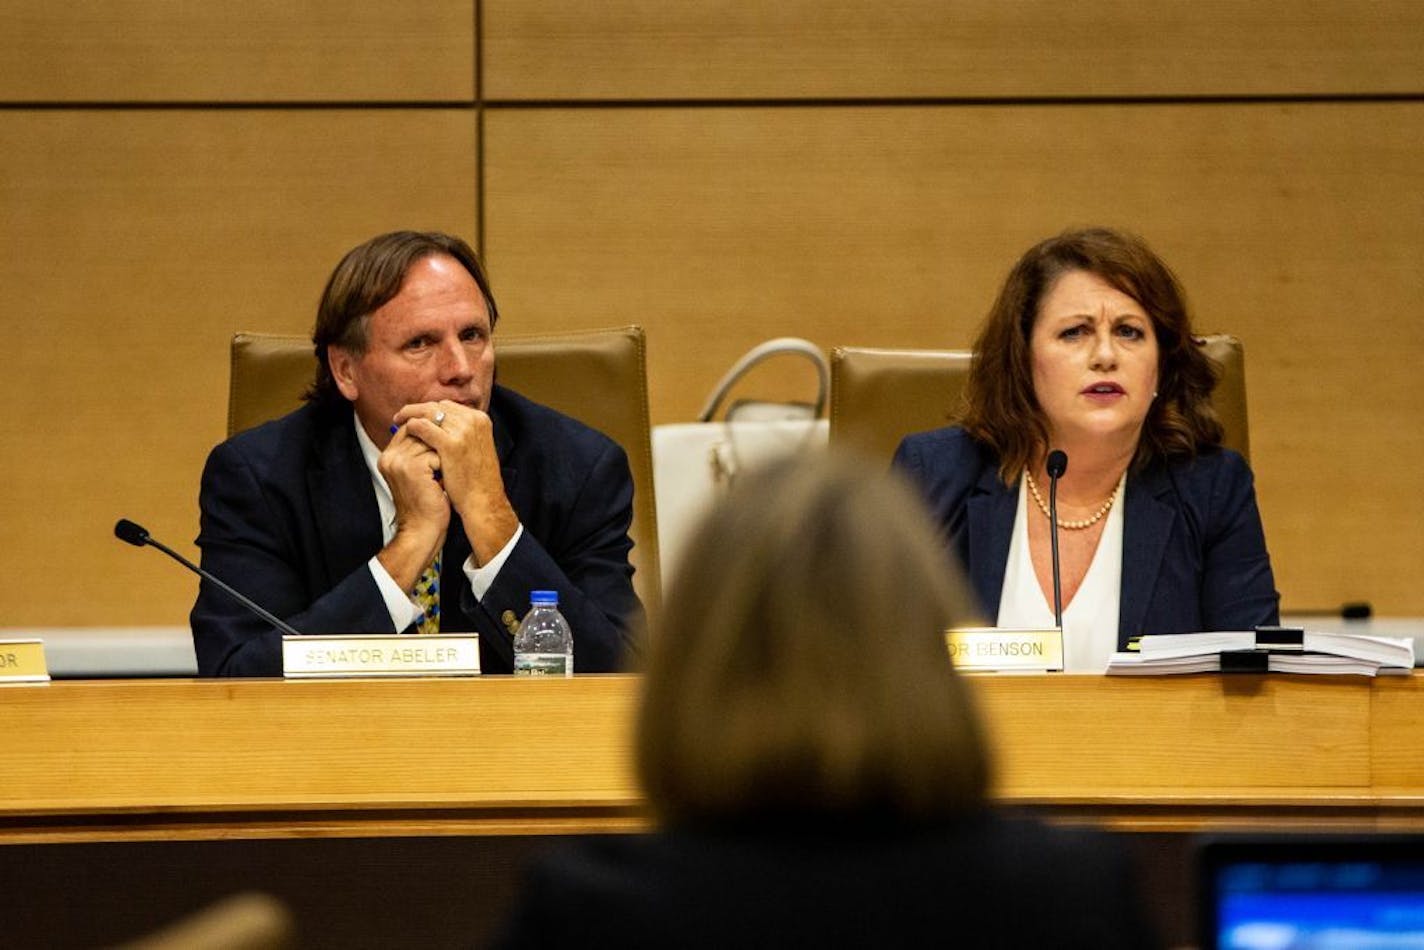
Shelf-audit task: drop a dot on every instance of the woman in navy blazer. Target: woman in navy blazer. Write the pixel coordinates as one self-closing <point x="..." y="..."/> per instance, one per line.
<point x="1089" y="350"/>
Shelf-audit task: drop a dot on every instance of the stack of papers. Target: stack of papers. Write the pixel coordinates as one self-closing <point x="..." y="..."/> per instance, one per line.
<point x="1274" y="650"/>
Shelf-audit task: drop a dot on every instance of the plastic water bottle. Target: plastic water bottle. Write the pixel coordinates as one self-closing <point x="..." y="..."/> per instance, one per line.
<point x="544" y="645"/>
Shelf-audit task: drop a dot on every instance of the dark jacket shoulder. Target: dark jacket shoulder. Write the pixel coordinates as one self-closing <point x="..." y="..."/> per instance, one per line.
<point x="836" y="884"/>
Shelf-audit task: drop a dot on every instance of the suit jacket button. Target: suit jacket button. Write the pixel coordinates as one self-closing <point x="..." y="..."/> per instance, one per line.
<point x="511" y="622"/>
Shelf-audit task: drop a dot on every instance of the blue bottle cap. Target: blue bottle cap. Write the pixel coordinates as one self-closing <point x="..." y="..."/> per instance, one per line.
<point x="544" y="597"/>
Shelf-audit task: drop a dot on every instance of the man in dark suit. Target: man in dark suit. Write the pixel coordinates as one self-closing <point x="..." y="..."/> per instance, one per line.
<point x="411" y="492"/>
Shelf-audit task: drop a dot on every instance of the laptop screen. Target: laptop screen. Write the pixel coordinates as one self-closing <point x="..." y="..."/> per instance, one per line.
<point x="1318" y="892"/>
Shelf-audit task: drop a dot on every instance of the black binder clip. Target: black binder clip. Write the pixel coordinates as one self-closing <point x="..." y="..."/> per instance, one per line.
<point x="1245" y="661"/>
<point x="1280" y="638"/>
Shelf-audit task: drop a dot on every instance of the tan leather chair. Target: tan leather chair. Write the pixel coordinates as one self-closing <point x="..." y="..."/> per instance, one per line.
<point x="599" y="377"/>
<point x="879" y="396"/>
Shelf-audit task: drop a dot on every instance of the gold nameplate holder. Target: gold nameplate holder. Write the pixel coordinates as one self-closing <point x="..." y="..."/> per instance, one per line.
<point x="23" y="661"/>
<point x="991" y="649"/>
<point x="366" y="655"/>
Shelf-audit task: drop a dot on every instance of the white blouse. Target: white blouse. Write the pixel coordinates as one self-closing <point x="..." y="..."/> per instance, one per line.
<point x="1090" y="619"/>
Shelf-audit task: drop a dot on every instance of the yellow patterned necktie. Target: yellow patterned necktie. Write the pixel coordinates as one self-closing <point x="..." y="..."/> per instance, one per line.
<point x="427" y="597"/>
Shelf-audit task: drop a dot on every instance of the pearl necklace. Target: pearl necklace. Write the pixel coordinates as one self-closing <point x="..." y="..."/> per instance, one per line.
<point x="1071" y="525"/>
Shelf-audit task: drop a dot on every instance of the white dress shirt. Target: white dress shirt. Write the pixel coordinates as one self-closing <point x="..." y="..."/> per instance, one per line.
<point x="1091" y="617"/>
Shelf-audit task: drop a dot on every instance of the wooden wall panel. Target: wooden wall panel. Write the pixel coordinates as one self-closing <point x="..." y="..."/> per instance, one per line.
<point x="1297" y="227"/>
<point x="643" y="49"/>
<point x="133" y="244"/>
<point x="264" y="50"/>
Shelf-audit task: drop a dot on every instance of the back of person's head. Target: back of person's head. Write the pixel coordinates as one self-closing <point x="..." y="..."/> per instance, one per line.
<point x="368" y="277"/>
<point x="801" y="667"/>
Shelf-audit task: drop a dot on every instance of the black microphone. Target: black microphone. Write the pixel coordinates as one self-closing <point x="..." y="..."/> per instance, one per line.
<point x="137" y="535"/>
<point x="1057" y="464"/>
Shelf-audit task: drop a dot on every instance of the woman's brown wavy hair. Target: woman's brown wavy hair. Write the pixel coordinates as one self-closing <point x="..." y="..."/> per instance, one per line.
<point x="1002" y="410"/>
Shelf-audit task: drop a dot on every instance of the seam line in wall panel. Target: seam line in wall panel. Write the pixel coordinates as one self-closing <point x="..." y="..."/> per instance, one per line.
<point x="323" y="106"/>
<point x="803" y="103"/>
<point x="920" y="101"/>
<point x="479" y="131"/>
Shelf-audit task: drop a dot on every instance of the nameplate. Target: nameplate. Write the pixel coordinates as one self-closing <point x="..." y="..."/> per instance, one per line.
<point x="995" y="649"/>
<point x="313" y="657"/>
<point x="23" y="661"/>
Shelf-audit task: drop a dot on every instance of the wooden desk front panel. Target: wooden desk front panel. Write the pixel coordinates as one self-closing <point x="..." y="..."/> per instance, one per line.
<point x="116" y="760"/>
<point x="199" y="745"/>
<point x="1081" y="735"/>
<point x="1397" y="736"/>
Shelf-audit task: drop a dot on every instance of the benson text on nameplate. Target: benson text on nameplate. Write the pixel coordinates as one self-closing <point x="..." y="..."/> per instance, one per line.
<point x="449" y="654"/>
<point x="23" y="661"/>
<point x="990" y="648"/>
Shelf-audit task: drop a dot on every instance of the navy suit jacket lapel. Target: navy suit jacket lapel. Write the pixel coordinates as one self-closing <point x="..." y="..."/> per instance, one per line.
<point x="347" y="516"/>
<point x="453" y="584"/>
<point x="991" y="510"/>
<point x="504" y="448"/>
<point x="1147" y="525"/>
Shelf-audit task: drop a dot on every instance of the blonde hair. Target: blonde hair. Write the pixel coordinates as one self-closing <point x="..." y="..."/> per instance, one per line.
<point x="801" y="665"/>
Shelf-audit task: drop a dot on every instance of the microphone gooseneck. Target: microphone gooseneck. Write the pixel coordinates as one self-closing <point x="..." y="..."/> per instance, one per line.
<point x="1057" y="464"/>
<point x="138" y="536"/>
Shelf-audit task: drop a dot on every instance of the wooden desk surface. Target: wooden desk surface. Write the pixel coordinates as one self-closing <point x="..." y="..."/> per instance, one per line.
<point x="125" y="759"/>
